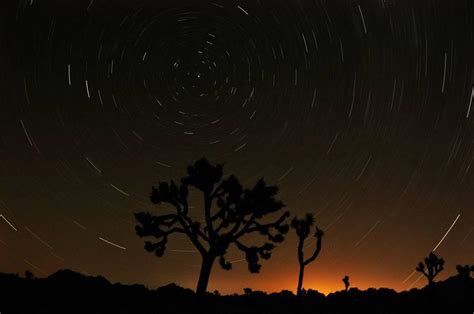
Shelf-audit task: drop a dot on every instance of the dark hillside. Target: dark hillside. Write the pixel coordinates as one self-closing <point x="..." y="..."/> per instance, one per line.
<point x="69" y="292"/>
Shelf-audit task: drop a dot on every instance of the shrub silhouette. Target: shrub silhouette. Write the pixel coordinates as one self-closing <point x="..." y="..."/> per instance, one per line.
<point x="238" y="213"/>
<point x="248" y="291"/>
<point x="29" y="275"/>
<point x="346" y="282"/>
<point x="434" y="265"/>
<point x="465" y="270"/>
<point x="303" y="228"/>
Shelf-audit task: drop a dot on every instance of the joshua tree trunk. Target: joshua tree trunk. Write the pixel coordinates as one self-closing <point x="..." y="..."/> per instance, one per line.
<point x="303" y="227"/>
<point x="300" y="280"/>
<point x="206" y="266"/>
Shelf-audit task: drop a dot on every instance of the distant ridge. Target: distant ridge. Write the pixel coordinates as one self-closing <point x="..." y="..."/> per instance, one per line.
<point x="67" y="291"/>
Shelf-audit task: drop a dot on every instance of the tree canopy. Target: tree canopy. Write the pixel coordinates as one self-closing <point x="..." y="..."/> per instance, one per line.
<point x="229" y="213"/>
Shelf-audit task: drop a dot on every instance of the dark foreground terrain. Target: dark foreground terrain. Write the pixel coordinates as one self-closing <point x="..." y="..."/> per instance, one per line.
<point x="70" y="292"/>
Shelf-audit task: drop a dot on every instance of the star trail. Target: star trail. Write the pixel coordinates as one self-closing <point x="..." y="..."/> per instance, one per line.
<point x="359" y="111"/>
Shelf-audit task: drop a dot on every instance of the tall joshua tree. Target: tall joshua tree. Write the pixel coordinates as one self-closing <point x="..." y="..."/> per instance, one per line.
<point x="229" y="214"/>
<point x="303" y="229"/>
<point x="431" y="268"/>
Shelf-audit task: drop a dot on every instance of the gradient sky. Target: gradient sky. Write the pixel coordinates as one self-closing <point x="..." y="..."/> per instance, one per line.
<point x="360" y="111"/>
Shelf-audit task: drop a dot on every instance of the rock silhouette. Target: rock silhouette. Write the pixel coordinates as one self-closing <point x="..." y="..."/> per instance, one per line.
<point x="69" y="292"/>
<point x="431" y="268"/>
<point x="303" y="229"/>
<point x="230" y="213"/>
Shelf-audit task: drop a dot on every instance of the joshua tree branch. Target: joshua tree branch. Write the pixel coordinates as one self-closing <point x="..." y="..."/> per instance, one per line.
<point x="275" y="224"/>
<point x="316" y="251"/>
<point x="192" y="236"/>
<point x="300" y="251"/>
<point x="207" y="215"/>
<point x="175" y="229"/>
<point x="217" y="215"/>
<point x="194" y="227"/>
<point x="245" y="228"/>
<point x="235" y="228"/>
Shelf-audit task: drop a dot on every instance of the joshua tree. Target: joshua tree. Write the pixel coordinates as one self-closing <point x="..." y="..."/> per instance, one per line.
<point x="29" y="275"/>
<point x="229" y="213"/>
<point x="346" y="282"/>
<point x="303" y="228"/>
<point x="465" y="270"/>
<point x="434" y="266"/>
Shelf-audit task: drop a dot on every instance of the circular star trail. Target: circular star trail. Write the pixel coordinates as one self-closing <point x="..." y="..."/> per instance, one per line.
<point x="360" y="111"/>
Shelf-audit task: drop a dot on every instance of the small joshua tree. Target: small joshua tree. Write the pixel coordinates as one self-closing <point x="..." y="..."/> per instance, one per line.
<point x="29" y="275"/>
<point x="465" y="270"/>
<point x="346" y="282"/>
<point x="229" y="214"/>
<point x="431" y="268"/>
<point x="303" y="229"/>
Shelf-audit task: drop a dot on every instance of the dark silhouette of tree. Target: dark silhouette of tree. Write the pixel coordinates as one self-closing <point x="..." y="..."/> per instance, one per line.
<point x="465" y="270"/>
<point x="431" y="268"/>
<point x="303" y="229"/>
<point x="346" y="282"/>
<point x="29" y="275"/>
<point x="229" y="214"/>
<point x="248" y="291"/>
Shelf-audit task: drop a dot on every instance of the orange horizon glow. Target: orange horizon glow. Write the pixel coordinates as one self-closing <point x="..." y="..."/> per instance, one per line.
<point x="325" y="280"/>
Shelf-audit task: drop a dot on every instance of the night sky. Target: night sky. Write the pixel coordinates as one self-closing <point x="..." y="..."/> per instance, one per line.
<point x="360" y="111"/>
